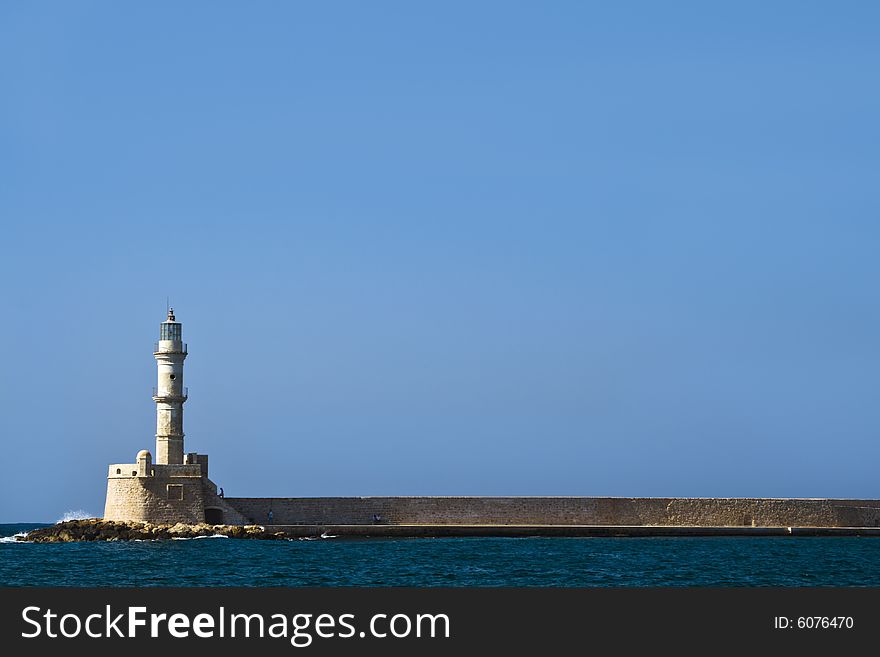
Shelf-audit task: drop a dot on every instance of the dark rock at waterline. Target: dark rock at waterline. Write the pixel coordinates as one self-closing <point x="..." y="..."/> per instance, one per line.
<point x="112" y="530"/>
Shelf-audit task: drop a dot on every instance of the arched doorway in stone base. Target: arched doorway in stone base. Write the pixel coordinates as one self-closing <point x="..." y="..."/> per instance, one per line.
<point x="213" y="515"/>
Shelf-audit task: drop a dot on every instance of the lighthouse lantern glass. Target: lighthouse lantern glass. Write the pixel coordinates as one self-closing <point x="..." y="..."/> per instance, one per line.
<point x="169" y="331"/>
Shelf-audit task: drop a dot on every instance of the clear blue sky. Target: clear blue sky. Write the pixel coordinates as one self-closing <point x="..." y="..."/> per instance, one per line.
<point x="471" y="248"/>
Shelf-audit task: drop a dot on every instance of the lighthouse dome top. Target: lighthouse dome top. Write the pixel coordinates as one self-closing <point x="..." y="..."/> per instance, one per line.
<point x="170" y="329"/>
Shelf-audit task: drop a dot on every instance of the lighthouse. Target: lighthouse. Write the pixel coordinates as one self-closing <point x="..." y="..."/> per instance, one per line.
<point x="175" y="487"/>
<point x="169" y="393"/>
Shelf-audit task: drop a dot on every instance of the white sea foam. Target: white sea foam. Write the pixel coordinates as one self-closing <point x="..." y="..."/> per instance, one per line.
<point x="13" y="539"/>
<point x="192" y="538"/>
<point x="312" y="538"/>
<point x="79" y="514"/>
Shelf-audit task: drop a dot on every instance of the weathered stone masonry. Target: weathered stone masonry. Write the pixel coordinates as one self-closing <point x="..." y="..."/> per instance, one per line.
<point x="697" y="512"/>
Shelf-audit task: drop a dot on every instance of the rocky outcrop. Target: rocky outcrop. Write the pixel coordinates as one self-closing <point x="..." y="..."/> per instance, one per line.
<point x="112" y="530"/>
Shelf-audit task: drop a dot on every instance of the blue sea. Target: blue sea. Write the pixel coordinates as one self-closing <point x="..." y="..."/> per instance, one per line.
<point x="692" y="561"/>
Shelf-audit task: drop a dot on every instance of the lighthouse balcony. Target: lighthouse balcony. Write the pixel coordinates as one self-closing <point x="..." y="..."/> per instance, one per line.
<point x="169" y="347"/>
<point x="170" y="395"/>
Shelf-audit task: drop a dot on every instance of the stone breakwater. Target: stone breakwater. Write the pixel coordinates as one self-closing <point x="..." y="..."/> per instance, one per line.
<point x="115" y="530"/>
<point x="549" y="511"/>
<point x="109" y="530"/>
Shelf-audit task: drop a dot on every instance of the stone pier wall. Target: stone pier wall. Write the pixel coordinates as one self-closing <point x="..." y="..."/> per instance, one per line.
<point x="652" y="511"/>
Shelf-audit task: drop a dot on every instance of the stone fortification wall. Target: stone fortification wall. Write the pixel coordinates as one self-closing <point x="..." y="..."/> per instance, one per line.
<point x="149" y="499"/>
<point x="700" y="512"/>
<point x="166" y="494"/>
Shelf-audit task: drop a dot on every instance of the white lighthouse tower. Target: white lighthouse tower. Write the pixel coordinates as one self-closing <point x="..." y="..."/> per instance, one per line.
<point x="169" y="393"/>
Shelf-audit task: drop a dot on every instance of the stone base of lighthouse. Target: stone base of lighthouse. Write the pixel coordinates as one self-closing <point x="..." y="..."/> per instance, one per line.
<point x="166" y="494"/>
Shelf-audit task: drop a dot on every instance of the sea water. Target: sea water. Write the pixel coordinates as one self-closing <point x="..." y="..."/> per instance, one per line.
<point x="658" y="561"/>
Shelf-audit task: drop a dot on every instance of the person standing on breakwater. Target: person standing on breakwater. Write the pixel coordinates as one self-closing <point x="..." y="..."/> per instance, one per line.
<point x="270" y="516"/>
